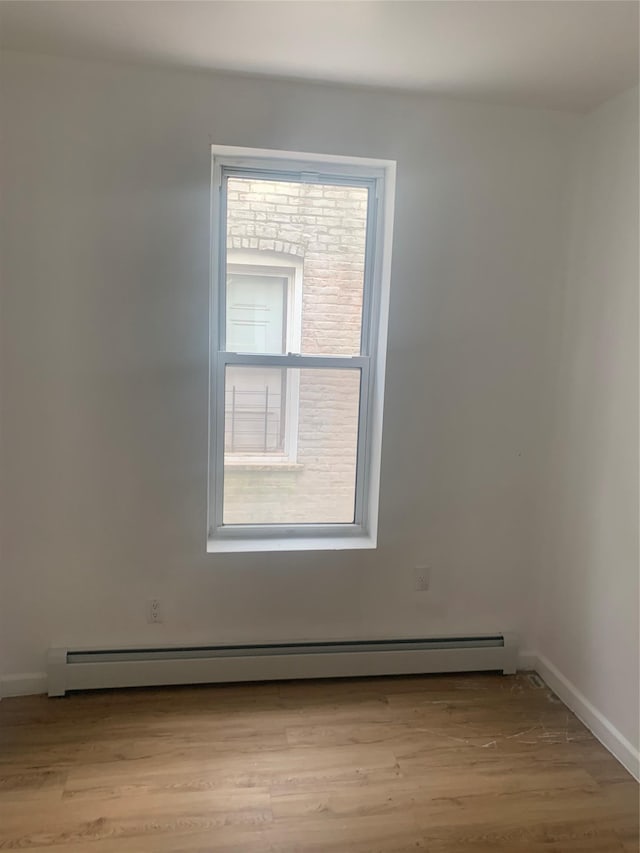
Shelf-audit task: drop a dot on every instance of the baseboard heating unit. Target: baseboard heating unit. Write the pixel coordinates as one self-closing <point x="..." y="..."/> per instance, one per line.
<point x="78" y="669"/>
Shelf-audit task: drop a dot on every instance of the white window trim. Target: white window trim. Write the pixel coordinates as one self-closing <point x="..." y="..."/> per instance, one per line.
<point x="313" y="168"/>
<point x="291" y="268"/>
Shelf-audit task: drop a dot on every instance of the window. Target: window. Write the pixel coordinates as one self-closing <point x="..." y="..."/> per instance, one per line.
<point x="263" y="315"/>
<point x="300" y="274"/>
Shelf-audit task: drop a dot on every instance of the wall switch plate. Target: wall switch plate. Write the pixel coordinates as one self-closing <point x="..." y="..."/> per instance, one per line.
<point x="154" y="611"/>
<point x="421" y="578"/>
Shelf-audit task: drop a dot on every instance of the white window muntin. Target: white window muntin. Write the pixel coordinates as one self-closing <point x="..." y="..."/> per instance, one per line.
<point x="331" y="170"/>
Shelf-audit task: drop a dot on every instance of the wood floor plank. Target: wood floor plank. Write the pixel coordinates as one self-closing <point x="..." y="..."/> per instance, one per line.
<point x="445" y="764"/>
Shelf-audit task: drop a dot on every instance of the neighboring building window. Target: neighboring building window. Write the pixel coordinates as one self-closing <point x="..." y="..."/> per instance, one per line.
<point x="263" y="316"/>
<point x="299" y="307"/>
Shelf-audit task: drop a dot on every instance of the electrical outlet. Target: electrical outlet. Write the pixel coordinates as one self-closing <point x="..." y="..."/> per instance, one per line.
<point x="421" y="578"/>
<point x="154" y="611"/>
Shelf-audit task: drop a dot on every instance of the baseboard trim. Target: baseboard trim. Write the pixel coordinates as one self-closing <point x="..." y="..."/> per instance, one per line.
<point x="23" y="684"/>
<point x="594" y="720"/>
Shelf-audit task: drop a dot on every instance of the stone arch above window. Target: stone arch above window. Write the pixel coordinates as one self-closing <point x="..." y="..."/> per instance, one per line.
<point x="263" y="244"/>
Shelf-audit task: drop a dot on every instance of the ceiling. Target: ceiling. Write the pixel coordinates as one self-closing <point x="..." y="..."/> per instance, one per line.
<point x="561" y="54"/>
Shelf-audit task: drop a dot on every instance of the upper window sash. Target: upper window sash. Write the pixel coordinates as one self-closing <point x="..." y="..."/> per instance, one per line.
<point x="372" y="182"/>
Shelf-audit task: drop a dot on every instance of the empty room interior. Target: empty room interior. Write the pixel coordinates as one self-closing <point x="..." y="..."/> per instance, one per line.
<point x="319" y="434"/>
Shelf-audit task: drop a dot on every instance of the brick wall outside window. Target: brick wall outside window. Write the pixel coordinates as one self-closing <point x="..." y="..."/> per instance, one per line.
<point x="323" y="227"/>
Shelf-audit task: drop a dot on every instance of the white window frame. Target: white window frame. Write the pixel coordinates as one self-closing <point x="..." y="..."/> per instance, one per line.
<point x="289" y="267"/>
<point x="379" y="175"/>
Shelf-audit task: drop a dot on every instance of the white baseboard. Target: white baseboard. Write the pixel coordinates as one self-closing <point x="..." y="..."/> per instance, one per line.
<point x="99" y="669"/>
<point x="23" y="684"/>
<point x="594" y="720"/>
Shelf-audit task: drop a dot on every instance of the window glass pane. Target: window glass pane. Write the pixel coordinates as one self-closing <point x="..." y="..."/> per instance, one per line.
<point x="291" y="439"/>
<point x="321" y="228"/>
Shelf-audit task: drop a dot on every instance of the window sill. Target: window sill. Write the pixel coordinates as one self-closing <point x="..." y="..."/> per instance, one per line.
<point x="261" y="465"/>
<point x="229" y="545"/>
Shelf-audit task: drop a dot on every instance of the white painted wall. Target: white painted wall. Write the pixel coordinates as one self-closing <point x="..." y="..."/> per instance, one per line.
<point x="104" y="359"/>
<point x="589" y="593"/>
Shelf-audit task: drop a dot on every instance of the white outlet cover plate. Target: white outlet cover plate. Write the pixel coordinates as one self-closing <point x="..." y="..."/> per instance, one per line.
<point x="422" y="578"/>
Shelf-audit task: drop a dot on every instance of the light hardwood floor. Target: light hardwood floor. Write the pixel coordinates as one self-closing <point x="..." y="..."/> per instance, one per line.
<point x="442" y="764"/>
